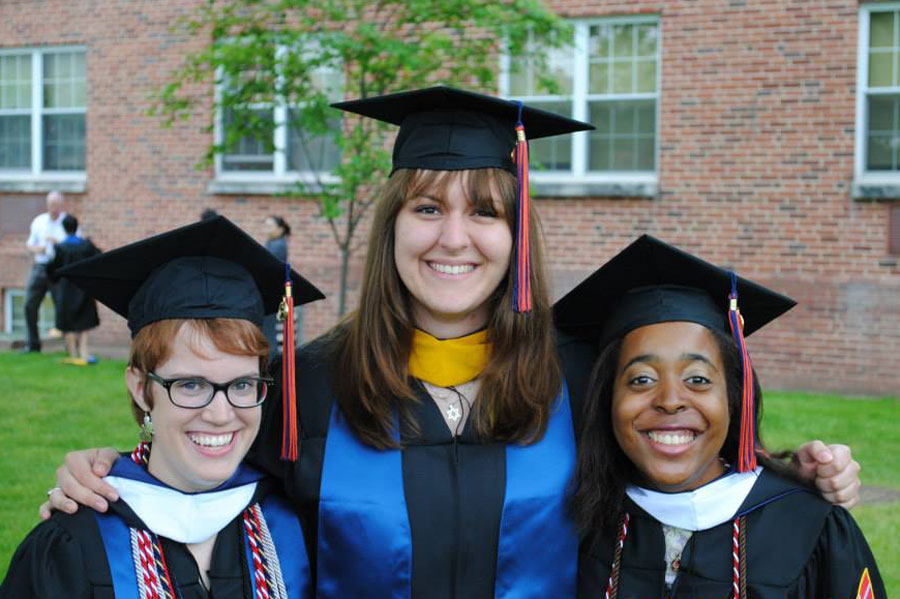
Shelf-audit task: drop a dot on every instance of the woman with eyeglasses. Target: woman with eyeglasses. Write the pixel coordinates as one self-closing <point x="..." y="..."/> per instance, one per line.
<point x="193" y="521"/>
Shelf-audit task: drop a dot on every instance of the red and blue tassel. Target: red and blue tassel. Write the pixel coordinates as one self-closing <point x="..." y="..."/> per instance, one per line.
<point x="747" y="447"/>
<point x="522" y="275"/>
<point x="289" y="437"/>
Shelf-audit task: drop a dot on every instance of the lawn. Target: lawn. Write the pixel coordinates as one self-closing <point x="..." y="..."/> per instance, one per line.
<point x="52" y="408"/>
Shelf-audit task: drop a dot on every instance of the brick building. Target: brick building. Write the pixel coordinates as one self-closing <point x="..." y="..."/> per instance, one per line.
<point x="762" y="135"/>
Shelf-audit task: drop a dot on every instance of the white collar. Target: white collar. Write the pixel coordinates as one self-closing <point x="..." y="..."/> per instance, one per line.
<point x="182" y="517"/>
<point x="700" y="509"/>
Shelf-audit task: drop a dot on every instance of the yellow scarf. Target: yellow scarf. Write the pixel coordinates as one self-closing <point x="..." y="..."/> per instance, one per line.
<point x="448" y="362"/>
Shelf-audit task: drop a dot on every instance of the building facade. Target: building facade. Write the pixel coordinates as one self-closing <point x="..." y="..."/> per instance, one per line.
<point x="761" y="135"/>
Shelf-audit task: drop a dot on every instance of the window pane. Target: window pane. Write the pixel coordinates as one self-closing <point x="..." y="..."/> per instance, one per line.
<point x="251" y="152"/>
<point x="600" y="41"/>
<point x="623" y="149"/>
<point x="312" y="152"/>
<point x="559" y="65"/>
<point x="64" y="142"/>
<point x="64" y="80"/>
<point x="600" y="154"/>
<point x="622" y="78"/>
<point x="645" y="113"/>
<point x="599" y="77"/>
<point x="646" y="40"/>
<point x="881" y="69"/>
<point x="15" y="141"/>
<point x="622" y="41"/>
<point x="15" y="81"/>
<point x="881" y="30"/>
<point x="625" y="136"/>
<point x="519" y="75"/>
<point x="552" y="153"/>
<point x="646" y="76"/>
<point x="881" y="114"/>
<point x="883" y="132"/>
<point x="557" y="68"/>
<point x="646" y="156"/>
<point x="879" y="156"/>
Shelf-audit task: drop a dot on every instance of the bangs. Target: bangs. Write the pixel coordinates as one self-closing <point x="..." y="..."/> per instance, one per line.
<point x="477" y="187"/>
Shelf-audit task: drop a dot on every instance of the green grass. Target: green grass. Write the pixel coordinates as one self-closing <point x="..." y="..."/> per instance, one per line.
<point x="51" y="408"/>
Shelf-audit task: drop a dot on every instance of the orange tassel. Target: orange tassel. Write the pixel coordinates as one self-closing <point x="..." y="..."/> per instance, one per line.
<point x="289" y="437"/>
<point x="747" y="446"/>
<point x="522" y="275"/>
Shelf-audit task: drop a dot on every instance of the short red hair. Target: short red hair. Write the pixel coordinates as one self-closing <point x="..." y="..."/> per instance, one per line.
<point x="152" y="345"/>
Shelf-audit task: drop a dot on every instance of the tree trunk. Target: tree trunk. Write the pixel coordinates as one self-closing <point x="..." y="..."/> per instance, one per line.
<point x="342" y="293"/>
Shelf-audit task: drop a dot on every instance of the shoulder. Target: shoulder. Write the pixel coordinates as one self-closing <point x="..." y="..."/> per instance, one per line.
<point x="40" y="220"/>
<point x="785" y="522"/>
<point x="59" y="558"/>
<point x="799" y="539"/>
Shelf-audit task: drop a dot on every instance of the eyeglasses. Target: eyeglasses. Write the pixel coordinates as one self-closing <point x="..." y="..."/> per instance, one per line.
<point x="196" y="392"/>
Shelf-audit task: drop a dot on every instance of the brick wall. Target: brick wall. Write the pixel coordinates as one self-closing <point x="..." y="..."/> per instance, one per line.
<point x="756" y="138"/>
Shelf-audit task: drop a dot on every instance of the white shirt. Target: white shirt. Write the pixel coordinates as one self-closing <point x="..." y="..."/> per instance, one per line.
<point x="45" y="232"/>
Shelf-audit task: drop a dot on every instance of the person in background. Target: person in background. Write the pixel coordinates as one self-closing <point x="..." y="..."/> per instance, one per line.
<point x="76" y="312"/>
<point x="46" y="230"/>
<point x="277" y="237"/>
<point x="676" y="494"/>
<point x="278" y="234"/>
<point x="193" y="521"/>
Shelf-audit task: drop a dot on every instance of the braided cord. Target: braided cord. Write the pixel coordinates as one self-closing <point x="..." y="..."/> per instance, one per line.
<point x="612" y="587"/>
<point x="743" y="556"/>
<point x="271" y="556"/>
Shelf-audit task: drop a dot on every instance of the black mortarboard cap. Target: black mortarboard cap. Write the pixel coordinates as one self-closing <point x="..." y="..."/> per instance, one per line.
<point x="442" y="128"/>
<point x="209" y="269"/>
<point x="651" y="281"/>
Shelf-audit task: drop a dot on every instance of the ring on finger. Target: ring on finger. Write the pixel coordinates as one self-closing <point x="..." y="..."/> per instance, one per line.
<point x="50" y="491"/>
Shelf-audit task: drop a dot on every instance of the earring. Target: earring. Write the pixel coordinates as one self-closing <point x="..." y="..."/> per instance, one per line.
<point x="147" y="428"/>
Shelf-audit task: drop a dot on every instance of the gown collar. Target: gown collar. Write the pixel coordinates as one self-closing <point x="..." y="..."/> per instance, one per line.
<point x="701" y="509"/>
<point x="182" y="517"/>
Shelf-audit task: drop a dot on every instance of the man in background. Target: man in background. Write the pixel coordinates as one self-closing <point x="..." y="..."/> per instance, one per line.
<point x="46" y="230"/>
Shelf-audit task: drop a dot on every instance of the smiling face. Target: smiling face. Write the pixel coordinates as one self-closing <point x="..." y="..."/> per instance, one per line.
<point x="197" y="449"/>
<point x="452" y="252"/>
<point x="670" y="404"/>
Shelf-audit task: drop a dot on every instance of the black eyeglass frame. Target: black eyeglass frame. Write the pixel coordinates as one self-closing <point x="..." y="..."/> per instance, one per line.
<point x="223" y="387"/>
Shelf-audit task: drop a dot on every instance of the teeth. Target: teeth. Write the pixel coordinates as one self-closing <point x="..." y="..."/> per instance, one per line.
<point x="451" y="269"/>
<point x="212" y="440"/>
<point x="671" y="438"/>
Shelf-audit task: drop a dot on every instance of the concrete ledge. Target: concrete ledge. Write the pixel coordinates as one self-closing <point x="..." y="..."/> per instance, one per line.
<point x="43" y="185"/>
<point x="591" y="189"/>
<point x="250" y="188"/>
<point x="875" y="190"/>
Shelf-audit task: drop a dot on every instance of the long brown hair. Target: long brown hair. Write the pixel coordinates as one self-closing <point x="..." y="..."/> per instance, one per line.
<point x="371" y="377"/>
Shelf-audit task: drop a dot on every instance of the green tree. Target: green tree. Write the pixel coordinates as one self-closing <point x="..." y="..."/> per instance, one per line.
<point x="267" y="53"/>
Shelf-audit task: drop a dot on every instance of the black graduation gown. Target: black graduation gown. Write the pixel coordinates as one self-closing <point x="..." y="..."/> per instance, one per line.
<point x="454" y="488"/>
<point x="799" y="546"/>
<point x="64" y="557"/>
<point x="75" y="310"/>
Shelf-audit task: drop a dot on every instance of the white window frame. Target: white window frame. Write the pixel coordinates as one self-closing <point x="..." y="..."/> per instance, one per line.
<point x="35" y="178"/>
<point x="579" y="181"/>
<point x="9" y="295"/>
<point x="869" y="184"/>
<point x="279" y="179"/>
